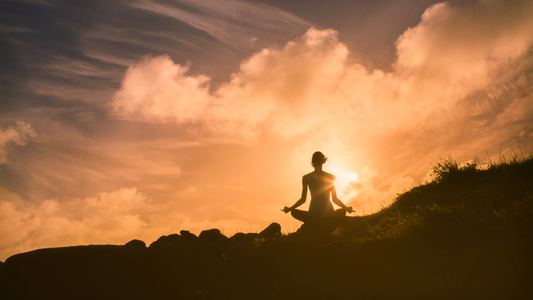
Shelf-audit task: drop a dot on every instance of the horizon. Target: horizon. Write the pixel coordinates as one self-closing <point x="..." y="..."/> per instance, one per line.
<point x="137" y="119"/>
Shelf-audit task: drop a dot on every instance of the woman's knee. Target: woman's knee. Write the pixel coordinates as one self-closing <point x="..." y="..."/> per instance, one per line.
<point x="340" y="212"/>
<point x="299" y="215"/>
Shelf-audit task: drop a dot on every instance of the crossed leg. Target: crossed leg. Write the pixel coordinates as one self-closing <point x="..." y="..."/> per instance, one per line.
<point x="304" y="216"/>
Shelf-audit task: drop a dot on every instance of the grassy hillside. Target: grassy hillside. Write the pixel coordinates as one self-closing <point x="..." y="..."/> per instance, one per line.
<point x="465" y="235"/>
<point x="474" y="201"/>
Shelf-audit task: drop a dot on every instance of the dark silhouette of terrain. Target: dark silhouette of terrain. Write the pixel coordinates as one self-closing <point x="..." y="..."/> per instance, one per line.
<point x="465" y="235"/>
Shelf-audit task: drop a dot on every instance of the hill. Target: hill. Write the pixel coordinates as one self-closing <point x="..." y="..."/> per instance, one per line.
<point x="464" y="235"/>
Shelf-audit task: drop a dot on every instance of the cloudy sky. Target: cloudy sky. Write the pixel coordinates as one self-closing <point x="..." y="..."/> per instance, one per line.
<point x="135" y="119"/>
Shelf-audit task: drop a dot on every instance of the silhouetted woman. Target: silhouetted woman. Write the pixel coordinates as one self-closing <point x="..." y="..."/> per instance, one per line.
<point x="321" y="185"/>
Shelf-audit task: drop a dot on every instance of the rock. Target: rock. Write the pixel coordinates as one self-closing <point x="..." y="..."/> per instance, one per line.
<point x="159" y="243"/>
<point x="212" y="236"/>
<point x="244" y="238"/>
<point x="186" y="236"/>
<point x="173" y="239"/>
<point x="273" y="230"/>
<point x="136" y="243"/>
<point x="167" y="241"/>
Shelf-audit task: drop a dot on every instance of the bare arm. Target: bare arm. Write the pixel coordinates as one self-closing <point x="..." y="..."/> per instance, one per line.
<point x="338" y="202"/>
<point x="302" y="199"/>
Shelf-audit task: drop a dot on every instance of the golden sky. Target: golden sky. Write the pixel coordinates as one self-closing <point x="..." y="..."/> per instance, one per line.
<point x="136" y="119"/>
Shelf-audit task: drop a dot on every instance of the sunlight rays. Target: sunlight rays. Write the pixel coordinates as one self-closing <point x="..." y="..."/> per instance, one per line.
<point x="343" y="179"/>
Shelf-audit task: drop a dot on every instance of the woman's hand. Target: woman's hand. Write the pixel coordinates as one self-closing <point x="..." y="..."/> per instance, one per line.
<point x="286" y="209"/>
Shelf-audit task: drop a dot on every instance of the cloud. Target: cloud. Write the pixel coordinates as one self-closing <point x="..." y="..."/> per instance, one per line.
<point x="280" y="86"/>
<point x="158" y="90"/>
<point x="456" y="50"/>
<point x="18" y="135"/>
<point x="290" y="89"/>
<point x="309" y="86"/>
<point x="105" y="218"/>
<point x="227" y="20"/>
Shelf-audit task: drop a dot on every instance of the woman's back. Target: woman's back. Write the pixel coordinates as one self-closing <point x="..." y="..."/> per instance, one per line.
<point x="320" y="185"/>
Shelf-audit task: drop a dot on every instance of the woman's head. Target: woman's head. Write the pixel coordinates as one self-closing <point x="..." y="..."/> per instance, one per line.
<point x="318" y="159"/>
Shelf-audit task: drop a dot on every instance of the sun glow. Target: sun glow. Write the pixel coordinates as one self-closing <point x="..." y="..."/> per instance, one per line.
<point x="342" y="180"/>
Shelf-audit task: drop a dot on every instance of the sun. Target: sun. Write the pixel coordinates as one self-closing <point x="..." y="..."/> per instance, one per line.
<point x="343" y="178"/>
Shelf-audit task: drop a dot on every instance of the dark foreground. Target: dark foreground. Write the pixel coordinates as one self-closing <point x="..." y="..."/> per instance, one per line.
<point x="283" y="268"/>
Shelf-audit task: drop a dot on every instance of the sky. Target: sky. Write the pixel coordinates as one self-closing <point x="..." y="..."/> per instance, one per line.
<point x="124" y="120"/>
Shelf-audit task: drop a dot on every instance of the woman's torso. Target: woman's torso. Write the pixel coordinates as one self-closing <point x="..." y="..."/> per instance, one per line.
<point x="320" y="185"/>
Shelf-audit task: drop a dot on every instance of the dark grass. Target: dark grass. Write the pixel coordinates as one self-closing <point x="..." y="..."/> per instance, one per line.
<point x="472" y="201"/>
<point x="468" y="233"/>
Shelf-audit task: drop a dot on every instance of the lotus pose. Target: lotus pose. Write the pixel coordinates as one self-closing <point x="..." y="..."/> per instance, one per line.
<point x="321" y="185"/>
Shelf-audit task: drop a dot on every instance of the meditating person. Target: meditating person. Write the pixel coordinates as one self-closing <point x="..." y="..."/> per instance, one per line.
<point x="321" y="185"/>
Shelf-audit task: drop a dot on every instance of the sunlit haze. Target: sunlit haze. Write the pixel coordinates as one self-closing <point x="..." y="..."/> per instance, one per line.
<point x="342" y="180"/>
<point x="124" y="120"/>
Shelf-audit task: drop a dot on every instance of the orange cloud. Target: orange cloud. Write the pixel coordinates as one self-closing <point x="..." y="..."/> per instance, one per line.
<point x="280" y="87"/>
<point x="106" y="218"/>
<point x="308" y="84"/>
<point x="455" y="50"/>
<point x="158" y="90"/>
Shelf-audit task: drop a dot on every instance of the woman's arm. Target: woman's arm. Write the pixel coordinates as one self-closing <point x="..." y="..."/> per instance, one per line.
<point x="338" y="202"/>
<point x="302" y="199"/>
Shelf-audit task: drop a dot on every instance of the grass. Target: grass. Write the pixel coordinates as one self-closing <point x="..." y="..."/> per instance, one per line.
<point x="466" y="201"/>
<point x="469" y="229"/>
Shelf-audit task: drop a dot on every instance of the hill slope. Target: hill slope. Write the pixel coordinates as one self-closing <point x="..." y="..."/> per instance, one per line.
<point x="481" y="200"/>
<point x="465" y="235"/>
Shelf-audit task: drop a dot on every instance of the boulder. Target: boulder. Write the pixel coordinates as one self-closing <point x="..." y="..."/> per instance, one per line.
<point x="136" y="243"/>
<point x="273" y="230"/>
<point x="167" y="241"/>
<point x="212" y="236"/>
<point x="244" y="238"/>
<point x="186" y="236"/>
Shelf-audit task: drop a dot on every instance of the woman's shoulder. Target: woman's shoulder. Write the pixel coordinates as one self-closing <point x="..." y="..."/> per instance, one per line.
<point x="308" y="175"/>
<point x="321" y="174"/>
<point x="331" y="176"/>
